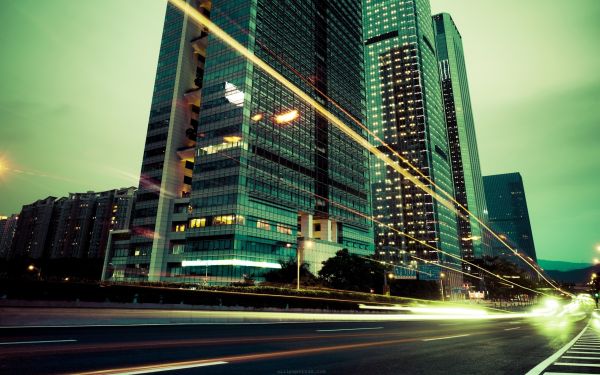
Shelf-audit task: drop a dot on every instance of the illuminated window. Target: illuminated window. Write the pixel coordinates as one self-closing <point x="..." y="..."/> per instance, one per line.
<point x="263" y="225"/>
<point x="227" y="220"/>
<point x="180" y="228"/>
<point x="283" y="229"/>
<point x="198" y="223"/>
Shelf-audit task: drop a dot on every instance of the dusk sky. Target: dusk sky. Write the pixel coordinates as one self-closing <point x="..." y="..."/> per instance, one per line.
<point x="77" y="76"/>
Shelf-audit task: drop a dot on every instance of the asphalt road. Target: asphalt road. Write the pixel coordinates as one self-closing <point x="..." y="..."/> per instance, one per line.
<point x="508" y="346"/>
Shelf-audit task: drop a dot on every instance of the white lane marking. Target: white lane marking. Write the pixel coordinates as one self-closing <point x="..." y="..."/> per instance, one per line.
<point x="587" y="347"/>
<point x="36" y="342"/>
<point x="577" y="364"/>
<point x="446" y="337"/>
<point x="347" y="329"/>
<point x="173" y="324"/>
<point x="169" y="368"/>
<point x="511" y="329"/>
<point x="574" y="357"/>
<point x="537" y="370"/>
<point x="579" y="352"/>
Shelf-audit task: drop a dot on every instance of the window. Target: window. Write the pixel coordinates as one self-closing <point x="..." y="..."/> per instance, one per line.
<point x="179" y="227"/>
<point x="263" y="225"/>
<point x="225" y="220"/>
<point x="198" y="223"/>
<point x="284" y="229"/>
<point x="178" y="249"/>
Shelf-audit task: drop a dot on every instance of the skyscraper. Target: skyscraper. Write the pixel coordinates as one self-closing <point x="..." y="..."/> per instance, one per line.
<point x="405" y="110"/>
<point x="464" y="156"/>
<point x="508" y="213"/>
<point x="271" y="177"/>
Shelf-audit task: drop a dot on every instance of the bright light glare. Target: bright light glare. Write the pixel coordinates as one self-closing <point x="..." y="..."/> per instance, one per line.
<point x="232" y="139"/>
<point x="287" y="117"/>
<point x="257" y="117"/>
<point x="31" y="267"/>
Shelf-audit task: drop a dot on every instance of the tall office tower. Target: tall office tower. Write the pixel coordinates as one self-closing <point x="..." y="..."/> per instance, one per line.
<point x="32" y="235"/>
<point x="508" y="213"/>
<point x="405" y="110"/>
<point x="165" y="178"/>
<point x="271" y="176"/>
<point x="468" y="183"/>
<point x="7" y="233"/>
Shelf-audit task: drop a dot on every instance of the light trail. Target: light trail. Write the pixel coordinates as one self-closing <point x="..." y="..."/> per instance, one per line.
<point x="201" y="19"/>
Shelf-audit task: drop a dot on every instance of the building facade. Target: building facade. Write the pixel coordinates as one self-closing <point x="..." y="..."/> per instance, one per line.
<point x="32" y="235"/>
<point x="76" y="226"/>
<point x="7" y="233"/>
<point x="508" y="214"/>
<point x="83" y="221"/>
<point x="464" y="156"/>
<point x="272" y="179"/>
<point x="405" y="109"/>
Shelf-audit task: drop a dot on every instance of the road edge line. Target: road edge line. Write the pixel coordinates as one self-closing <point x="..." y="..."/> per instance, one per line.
<point x="537" y="370"/>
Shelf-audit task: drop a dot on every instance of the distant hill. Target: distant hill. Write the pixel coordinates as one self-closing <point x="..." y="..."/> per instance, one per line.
<point x="573" y="276"/>
<point x="558" y="265"/>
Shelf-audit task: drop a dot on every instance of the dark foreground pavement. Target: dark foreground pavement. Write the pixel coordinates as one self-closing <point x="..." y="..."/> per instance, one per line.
<point x="508" y="346"/>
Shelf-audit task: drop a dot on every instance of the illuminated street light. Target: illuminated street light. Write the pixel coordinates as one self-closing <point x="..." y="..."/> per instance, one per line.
<point x="596" y="261"/>
<point x="472" y="238"/>
<point x="257" y="117"/>
<point x="31" y="267"/>
<point x="286" y="117"/>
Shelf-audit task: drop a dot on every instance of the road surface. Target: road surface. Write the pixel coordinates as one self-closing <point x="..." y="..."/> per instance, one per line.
<point x="505" y="346"/>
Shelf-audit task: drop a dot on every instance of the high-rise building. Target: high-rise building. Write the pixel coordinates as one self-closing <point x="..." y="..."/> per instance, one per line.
<point x="7" y="233"/>
<point x="76" y="226"/>
<point x="405" y="109"/>
<point x="464" y="156"/>
<point x="32" y="234"/>
<point x="82" y="222"/>
<point x="271" y="177"/>
<point x="508" y="213"/>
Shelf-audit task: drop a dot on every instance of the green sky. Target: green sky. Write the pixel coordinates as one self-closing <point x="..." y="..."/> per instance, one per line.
<point x="76" y="80"/>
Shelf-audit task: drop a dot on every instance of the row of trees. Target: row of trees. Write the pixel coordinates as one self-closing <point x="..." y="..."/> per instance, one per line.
<point x="348" y="271"/>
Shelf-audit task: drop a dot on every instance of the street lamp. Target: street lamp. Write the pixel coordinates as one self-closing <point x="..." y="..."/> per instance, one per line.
<point x="32" y="268"/>
<point x="386" y="288"/>
<point x="442" y="275"/>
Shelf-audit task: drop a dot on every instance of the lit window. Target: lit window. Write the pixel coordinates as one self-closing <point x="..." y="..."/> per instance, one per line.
<point x="198" y="223"/>
<point x="283" y="229"/>
<point x="263" y="225"/>
<point x="180" y="228"/>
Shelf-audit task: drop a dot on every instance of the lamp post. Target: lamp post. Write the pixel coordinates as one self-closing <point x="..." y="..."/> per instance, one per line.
<point x="386" y="288"/>
<point x="442" y="275"/>
<point x="36" y="269"/>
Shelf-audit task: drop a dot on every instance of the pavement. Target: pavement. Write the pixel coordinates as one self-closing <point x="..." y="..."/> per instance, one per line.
<point x="114" y="341"/>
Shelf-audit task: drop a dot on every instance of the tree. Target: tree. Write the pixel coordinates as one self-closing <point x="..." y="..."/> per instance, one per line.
<point x="499" y="289"/>
<point x="288" y="272"/>
<point x="352" y="272"/>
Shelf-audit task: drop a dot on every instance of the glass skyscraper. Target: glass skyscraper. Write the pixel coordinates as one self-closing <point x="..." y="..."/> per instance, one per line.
<point x="238" y="172"/>
<point x="508" y="214"/>
<point x="405" y="109"/>
<point x="468" y="183"/>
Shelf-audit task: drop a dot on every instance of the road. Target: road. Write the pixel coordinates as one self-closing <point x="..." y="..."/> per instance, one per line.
<point x="446" y="346"/>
